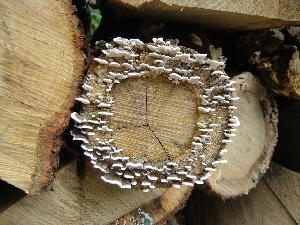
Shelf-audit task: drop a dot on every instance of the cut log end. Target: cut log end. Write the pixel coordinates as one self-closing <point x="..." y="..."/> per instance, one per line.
<point x="155" y="115"/>
<point x="143" y="127"/>
<point x="250" y="153"/>
<point x="40" y="69"/>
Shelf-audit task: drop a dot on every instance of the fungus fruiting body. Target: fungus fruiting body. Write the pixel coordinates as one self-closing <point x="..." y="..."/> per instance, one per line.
<point x="131" y="59"/>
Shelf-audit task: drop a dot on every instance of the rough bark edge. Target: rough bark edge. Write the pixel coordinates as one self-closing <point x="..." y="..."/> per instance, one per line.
<point x="293" y="77"/>
<point x="273" y="56"/>
<point x="286" y="82"/>
<point x="50" y="134"/>
<point x="269" y="106"/>
<point x="156" y="208"/>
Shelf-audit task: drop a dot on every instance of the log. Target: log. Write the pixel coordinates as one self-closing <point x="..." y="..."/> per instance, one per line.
<point x="250" y="153"/>
<point x="273" y="55"/>
<point x="155" y="114"/>
<point x="274" y="201"/>
<point x="77" y="196"/>
<point x="161" y="208"/>
<point x="41" y="64"/>
<point x="240" y="15"/>
<point x="285" y="185"/>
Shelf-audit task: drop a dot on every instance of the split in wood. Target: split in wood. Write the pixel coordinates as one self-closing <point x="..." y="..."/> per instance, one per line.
<point x="132" y="60"/>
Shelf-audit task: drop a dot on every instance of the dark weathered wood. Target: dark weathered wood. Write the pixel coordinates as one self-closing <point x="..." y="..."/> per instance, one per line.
<point x="273" y="55"/>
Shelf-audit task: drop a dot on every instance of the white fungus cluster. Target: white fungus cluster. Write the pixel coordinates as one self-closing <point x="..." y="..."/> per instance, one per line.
<point x="122" y="60"/>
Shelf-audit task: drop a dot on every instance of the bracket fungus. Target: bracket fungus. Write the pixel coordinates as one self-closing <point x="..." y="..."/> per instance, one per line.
<point x="140" y="147"/>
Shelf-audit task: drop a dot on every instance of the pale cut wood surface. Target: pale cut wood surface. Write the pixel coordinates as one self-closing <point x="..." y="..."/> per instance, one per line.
<point x="262" y="206"/>
<point x="148" y="114"/>
<point x="40" y="66"/>
<point x="285" y="185"/>
<point x="239" y="15"/>
<point x="250" y="153"/>
<point x="154" y="119"/>
<point x="77" y="200"/>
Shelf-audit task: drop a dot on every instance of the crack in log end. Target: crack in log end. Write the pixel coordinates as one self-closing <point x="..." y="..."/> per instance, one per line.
<point x="166" y="151"/>
<point x="155" y="115"/>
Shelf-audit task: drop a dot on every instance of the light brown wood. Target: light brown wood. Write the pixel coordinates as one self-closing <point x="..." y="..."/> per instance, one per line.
<point x="238" y="15"/>
<point x="164" y="109"/>
<point x="161" y="208"/>
<point x="262" y="206"/>
<point x="250" y="153"/>
<point x="77" y="199"/>
<point x="285" y="185"/>
<point x="40" y="68"/>
<point x="161" y="120"/>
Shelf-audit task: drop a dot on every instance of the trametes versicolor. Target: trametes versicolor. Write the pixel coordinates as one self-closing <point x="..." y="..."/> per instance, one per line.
<point x="130" y="58"/>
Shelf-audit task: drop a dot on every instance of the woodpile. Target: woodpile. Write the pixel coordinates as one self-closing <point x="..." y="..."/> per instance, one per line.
<point x="176" y="122"/>
<point x="274" y="201"/>
<point x="257" y="113"/>
<point x="242" y="15"/>
<point x="41" y="69"/>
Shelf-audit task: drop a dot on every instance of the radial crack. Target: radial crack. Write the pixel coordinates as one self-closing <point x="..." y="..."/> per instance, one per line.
<point x="146" y="101"/>
<point x="163" y="147"/>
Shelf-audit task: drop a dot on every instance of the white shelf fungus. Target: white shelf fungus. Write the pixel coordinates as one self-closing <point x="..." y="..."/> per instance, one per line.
<point x="122" y="60"/>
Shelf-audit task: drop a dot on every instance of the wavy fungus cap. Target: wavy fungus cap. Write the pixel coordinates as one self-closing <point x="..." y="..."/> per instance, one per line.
<point x="155" y="115"/>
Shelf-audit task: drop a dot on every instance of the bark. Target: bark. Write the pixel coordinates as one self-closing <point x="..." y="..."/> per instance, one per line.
<point x="272" y="55"/>
<point x="77" y="196"/>
<point x="250" y="153"/>
<point x="157" y="115"/>
<point x="41" y="64"/>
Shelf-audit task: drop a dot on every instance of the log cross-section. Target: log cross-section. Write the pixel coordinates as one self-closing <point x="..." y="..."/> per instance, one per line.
<point x="250" y="154"/>
<point x="40" y="67"/>
<point x="155" y="114"/>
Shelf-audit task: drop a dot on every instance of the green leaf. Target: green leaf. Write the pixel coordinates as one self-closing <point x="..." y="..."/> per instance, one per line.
<point x="95" y="21"/>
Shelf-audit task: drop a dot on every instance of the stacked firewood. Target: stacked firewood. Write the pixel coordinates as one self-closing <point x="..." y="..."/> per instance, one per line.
<point x="160" y="126"/>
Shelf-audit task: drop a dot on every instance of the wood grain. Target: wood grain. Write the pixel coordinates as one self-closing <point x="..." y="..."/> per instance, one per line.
<point x="161" y="208"/>
<point x="40" y="66"/>
<point x="262" y="206"/>
<point x="161" y="126"/>
<point x="285" y="185"/>
<point x="77" y="199"/>
<point x="154" y="119"/>
<point x="250" y="153"/>
<point x="237" y="15"/>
